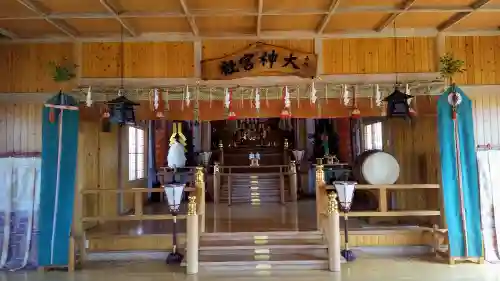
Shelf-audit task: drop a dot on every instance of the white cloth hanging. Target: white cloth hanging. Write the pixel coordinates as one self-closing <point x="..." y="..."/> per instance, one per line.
<point x="176" y="157"/>
<point x="19" y="204"/>
<point x="489" y="192"/>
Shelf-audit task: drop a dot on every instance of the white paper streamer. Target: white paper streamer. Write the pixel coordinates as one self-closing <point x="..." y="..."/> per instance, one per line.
<point x="188" y="96"/>
<point x="378" y="96"/>
<point x="312" y="95"/>
<point x="88" y="101"/>
<point x="156" y="99"/>
<point x="227" y="101"/>
<point x="287" y="97"/>
<point x="257" y="98"/>
<point x="345" y="95"/>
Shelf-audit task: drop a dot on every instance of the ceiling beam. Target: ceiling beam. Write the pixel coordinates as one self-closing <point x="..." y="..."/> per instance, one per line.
<point x="461" y="15"/>
<point x="326" y="18"/>
<point x="240" y="12"/>
<point x="190" y="18"/>
<point x="403" y="6"/>
<point x="264" y="35"/>
<point x="44" y="15"/>
<point x="115" y="15"/>
<point x="8" y="34"/>
<point x="259" y="16"/>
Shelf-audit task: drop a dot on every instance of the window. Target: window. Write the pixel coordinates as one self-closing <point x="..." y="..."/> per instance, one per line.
<point x="135" y="153"/>
<point x="373" y="136"/>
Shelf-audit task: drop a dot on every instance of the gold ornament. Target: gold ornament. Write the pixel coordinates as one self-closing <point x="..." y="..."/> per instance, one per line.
<point x="192" y="206"/>
<point x="332" y="204"/>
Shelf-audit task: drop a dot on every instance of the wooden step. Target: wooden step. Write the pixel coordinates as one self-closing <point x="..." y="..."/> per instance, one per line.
<point x="304" y="261"/>
<point x="287" y="250"/>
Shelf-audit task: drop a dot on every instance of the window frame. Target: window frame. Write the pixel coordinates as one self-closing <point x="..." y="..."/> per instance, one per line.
<point x="135" y="152"/>
<point x="373" y="136"/>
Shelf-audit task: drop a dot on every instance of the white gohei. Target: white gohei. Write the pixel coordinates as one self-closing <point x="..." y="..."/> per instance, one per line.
<point x="378" y="96"/>
<point x="156" y="99"/>
<point x="287" y="97"/>
<point x="257" y="98"/>
<point x="88" y="100"/>
<point x="345" y="95"/>
<point x="312" y="93"/>
<point x="188" y="96"/>
<point x="227" y="98"/>
<point x="409" y="101"/>
<point x="176" y="157"/>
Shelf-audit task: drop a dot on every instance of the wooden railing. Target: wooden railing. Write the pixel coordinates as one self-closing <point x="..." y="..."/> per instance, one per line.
<point x="281" y="170"/>
<point x="383" y="208"/>
<point x="195" y="215"/>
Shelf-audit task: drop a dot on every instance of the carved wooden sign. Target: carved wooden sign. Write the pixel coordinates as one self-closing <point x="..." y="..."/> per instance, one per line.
<point x="260" y="59"/>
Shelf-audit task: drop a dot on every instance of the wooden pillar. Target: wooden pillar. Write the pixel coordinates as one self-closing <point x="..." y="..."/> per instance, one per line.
<point x="320" y="181"/>
<point x="200" y="191"/>
<point x="293" y="181"/>
<point x="192" y="243"/>
<point x="333" y="233"/>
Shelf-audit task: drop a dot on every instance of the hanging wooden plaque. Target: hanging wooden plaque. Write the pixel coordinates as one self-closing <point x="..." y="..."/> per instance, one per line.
<point x="260" y="59"/>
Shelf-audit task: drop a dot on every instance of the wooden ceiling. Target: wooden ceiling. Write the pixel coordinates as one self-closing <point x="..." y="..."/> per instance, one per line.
<point x="80" y="19"/>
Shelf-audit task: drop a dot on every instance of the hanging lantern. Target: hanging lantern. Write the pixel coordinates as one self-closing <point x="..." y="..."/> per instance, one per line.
<point x="121" y="110"/>
<point x="397" y="104"/>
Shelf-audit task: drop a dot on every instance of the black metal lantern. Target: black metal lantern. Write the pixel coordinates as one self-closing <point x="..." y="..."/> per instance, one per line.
<point x="397" y="105"/>
<point x="122" y="111"/>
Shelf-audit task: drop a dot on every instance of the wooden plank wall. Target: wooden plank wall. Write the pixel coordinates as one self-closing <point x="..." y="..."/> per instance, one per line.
<point x="141" y="60"/>
<point x="486" y="112"/>
<point x="481" y="55"/>
<point x="379" y="55"/>
<point x="20" y="128"/>
<point x="25" y="67"/>
<point x="415" y="145"/>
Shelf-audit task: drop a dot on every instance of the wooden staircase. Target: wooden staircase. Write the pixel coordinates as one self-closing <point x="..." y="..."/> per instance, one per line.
<point x="253" y="189"/>
<point x="254" y="185"/>
<point x="283" y="250"/>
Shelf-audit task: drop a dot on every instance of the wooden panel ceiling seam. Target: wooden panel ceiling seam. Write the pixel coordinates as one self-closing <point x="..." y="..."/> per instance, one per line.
<point x="115" y="14"/>
<point x="44" y="14"/>
<point x="461" y="15"/>
<point x="324" y="22"/>
<point x="404" y="6"/>
<point x="259" y="17"/>
<point x="190" y="18"/>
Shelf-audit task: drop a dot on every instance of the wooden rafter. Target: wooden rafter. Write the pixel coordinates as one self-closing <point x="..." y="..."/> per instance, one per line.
<point x="8" y="34"/>
<point x="189" y="17"/>
<point x="259" y="16"/>
<point x="44" y="15"/>
<point x="115" y="15"/>
<point x="404" y="7"/>
<point x="461" y="15"/>
<point x="241" y="12"/>
<point x="326" y="18"/>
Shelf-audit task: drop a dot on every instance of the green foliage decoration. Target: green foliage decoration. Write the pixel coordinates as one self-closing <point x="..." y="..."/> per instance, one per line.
<point x="64" y="71"/>
<point x="450" y="66"/>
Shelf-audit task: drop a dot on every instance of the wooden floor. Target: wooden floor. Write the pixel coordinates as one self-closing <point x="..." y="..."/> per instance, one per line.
<point x="363" y="269"/>
<point x="299" y="216"/>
